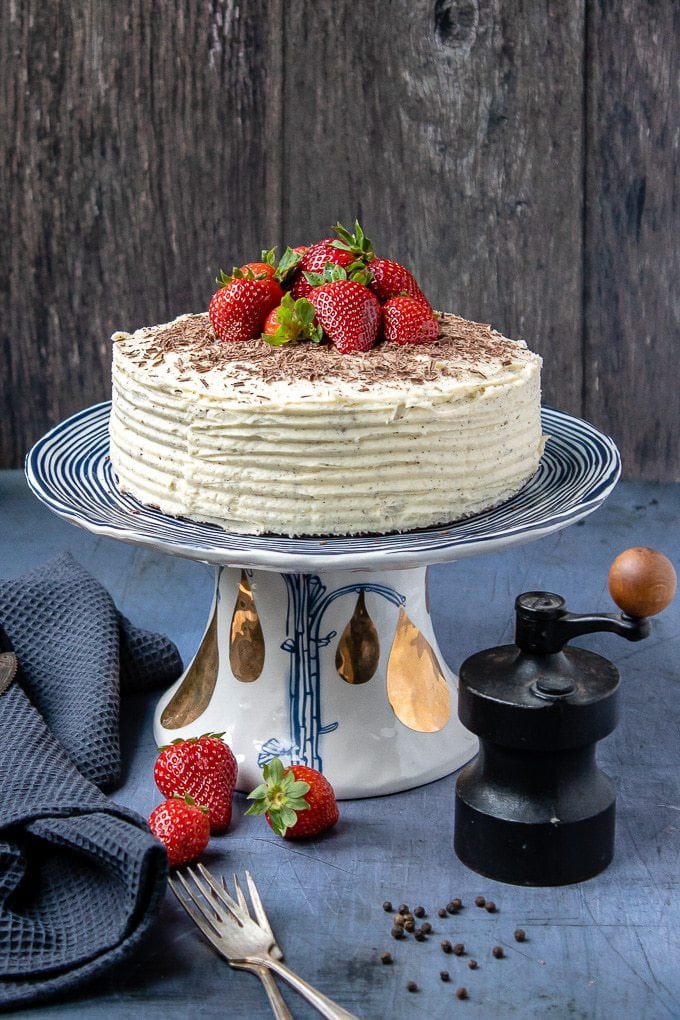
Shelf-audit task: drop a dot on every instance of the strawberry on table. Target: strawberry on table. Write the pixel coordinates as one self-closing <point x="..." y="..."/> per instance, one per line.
<point x="408" y="320"/>
<point x="297" y="801"/>
<point x="182" y="827"/>
<point x="204" y="768"/>
<point x="238" y="309"/>
<point x="348" y="312"/>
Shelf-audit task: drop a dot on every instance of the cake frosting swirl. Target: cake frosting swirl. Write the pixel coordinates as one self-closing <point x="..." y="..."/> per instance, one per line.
<point x="303" y="440"/>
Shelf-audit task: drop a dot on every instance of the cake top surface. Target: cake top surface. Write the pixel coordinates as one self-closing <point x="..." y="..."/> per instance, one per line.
<point x="185" y="349"/>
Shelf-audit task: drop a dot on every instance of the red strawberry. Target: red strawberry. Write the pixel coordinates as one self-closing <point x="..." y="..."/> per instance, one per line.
<point x="349" y="314"/>
<point x="408" y="320"/>
<point x="314" y="260"/>
<point x="238" y="309"/>
<point x="204" y="768"/>
<point x="182" y="827"/>
<point x="390" y="278"/>
<point x="297" y="801"/>
<point x="292" y="320"/>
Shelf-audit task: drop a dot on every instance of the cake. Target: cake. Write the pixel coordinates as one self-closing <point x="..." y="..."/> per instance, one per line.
<point x="302" y="439"/>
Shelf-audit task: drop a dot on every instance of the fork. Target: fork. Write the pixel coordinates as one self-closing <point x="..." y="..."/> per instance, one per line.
<point x="243" y="942"/>
<point x="276" y="1000"/>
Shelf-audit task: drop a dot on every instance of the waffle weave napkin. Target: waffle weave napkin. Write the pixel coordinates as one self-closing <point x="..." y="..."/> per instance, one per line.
<point x="81" y="878"/>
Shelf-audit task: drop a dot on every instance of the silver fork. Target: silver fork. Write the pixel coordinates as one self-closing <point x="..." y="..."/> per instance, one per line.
<point x="243" y="942"/>
<point x="276" y="1000"/>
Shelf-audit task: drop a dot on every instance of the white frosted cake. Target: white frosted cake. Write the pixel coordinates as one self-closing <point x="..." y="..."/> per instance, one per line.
<point x="303" y="440"/>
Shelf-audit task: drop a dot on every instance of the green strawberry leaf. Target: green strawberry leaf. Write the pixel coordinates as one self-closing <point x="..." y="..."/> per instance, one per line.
<point x="296" y="321"/>
<point x="357" y="243"/>
<point x="288" y="263"/>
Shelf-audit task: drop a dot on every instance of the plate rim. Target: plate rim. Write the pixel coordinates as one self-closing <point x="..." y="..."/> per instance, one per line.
<point x="443" y="547"/>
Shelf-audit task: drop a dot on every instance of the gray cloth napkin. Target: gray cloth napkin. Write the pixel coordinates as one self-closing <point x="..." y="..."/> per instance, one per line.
<point x="81" y="878"/>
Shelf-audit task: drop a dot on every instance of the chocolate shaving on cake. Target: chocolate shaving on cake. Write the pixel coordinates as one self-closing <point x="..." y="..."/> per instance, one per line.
<point x="461" y="347"/>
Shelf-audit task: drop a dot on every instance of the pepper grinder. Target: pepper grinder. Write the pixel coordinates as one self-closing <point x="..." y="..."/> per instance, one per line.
<point x="533" y="808"/>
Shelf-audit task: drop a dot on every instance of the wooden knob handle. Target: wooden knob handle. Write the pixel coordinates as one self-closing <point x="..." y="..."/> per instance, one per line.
<point x="642" y="581"/>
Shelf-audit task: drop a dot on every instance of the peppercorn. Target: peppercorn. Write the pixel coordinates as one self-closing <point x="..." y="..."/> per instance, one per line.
<point x="412" y="986"/>
<point x="386" y="958"/>
<point x="426" y="927"/>
<point x="442" y="911"/>
<point x="451" y="907"/>
<point x="404" y="908"/>
<point x="410" y="925"/>
<point x="457" y="902"/>
<point x="458" y="949"/>
<point x="397" y="932"/>
<point x="387" y="907"/>
<point x="444" y="975"/>
<point x="490" y="906"/>
<point x="520" y="935"/>
<point x="472" y="964"/>
<point x="498" y="952"/>
<point x="419" y="935"/>
<point x="400" y="920"/>
<point x="446" y="946"/>
<point x="480" y="901"/>
<point x="419" y="912"/>
<point x="461" y="993"/>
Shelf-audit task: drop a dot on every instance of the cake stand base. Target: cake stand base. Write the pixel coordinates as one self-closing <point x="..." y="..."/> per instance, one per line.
<point x="339" y="670"/>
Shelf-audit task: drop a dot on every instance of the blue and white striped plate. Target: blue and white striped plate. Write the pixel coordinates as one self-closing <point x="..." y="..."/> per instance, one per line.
<point x="70" y="471"/>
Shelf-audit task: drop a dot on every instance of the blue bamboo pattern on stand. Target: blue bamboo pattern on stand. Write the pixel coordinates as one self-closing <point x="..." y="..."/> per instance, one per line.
<point x="308" y="600"/>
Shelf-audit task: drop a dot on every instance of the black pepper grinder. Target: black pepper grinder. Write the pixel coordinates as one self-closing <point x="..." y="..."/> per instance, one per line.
<point x="533" y="808"/>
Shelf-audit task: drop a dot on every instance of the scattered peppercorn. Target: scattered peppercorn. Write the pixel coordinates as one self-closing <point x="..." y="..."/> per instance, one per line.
<point x="386" y="958"/>
<point x="419" y="935"/>
<point x="497" y="951"/>
<point x="458" y="949"/>
<point x="472" y="964"/>
<point x="446" y="946"/>
<point x="480" y="901"/>
<point x="490" y="906"/>
<point x="457" y="902"/>
<point x="400" y="920"/>
<point x="461" y="993"/>
<point x="412" y="986"/>
<point x="410" y="925"/>
<point x="387" y="907"/>
<point x="520" y="935"/>
<point x="419" y="912"/>
<point x="444" y="975"/>
<point x="451" y="907"/>
<point x="404" y="908"/>
<point x="442" y="911"/>
<point x="397" y="932"/>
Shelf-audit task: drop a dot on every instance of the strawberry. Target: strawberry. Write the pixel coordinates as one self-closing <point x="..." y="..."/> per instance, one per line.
<point x="407" y="320"/>
<point x="315" y="260"/>
<point x="388" y="279"/>
<point x="238" y="309"/>
<point x="349" y="314"/>
<point x="204" y="768"/>
<point x="291" y="320"/>
<point x="182" y="827"/>
<point x="297" y="801"/>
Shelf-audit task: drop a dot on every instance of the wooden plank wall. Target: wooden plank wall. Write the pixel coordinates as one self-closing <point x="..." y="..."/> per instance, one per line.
<point x="519" y="155"/>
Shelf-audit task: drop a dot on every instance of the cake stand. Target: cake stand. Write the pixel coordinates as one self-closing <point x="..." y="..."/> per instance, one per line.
<point x="321" y="650"/>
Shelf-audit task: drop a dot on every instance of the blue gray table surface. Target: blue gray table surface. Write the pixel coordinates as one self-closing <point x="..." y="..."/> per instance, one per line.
<point x="608" y="947"/>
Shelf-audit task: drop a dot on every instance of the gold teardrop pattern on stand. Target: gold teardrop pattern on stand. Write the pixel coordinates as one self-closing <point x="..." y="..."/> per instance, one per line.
<point x="358" y="651"/>
<point x="416" y="687"/>
<point x="246" y="641"/>
<point x="192" y="697"/>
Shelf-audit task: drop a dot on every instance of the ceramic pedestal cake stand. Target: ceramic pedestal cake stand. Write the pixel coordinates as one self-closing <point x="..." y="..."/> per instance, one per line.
<point x="322" y="650"/>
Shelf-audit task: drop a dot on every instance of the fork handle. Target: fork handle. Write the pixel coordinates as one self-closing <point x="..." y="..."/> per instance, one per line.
<point x="321" y="1002"/>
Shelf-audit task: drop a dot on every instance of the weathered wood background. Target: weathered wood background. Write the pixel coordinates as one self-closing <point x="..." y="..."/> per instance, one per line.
<point x="521" y="156"/>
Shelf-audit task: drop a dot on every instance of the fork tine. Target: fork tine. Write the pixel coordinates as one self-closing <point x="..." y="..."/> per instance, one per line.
<point x="219" y="893"/>
<point x="258" y="906"/>
<point x="240" y="896"/>
<point x="199" y="918"/>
